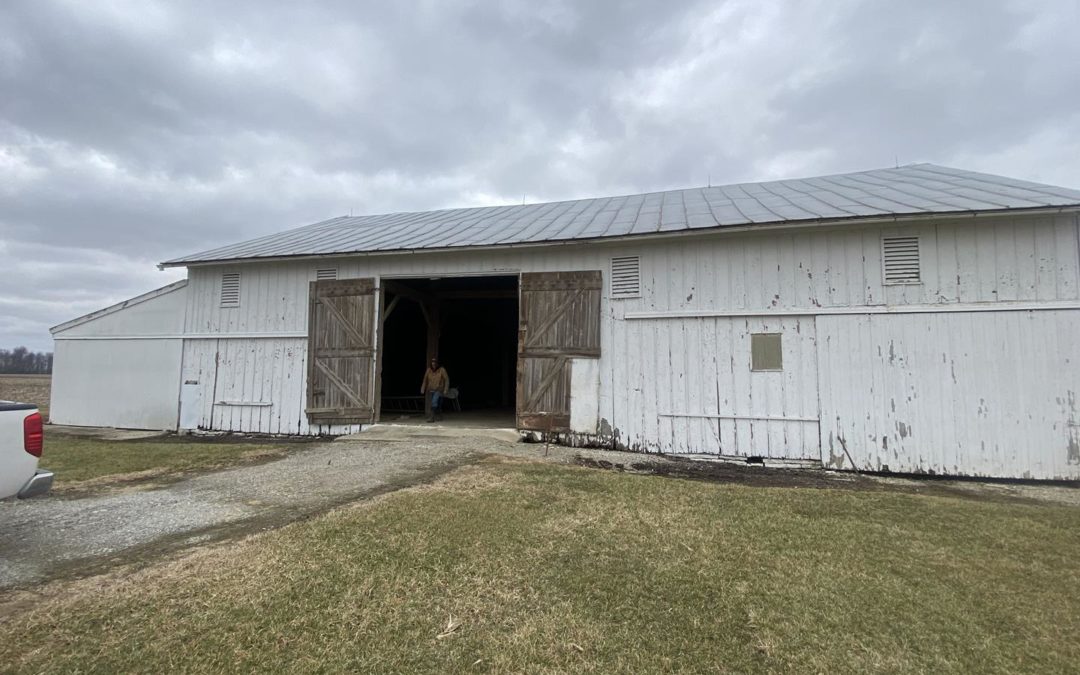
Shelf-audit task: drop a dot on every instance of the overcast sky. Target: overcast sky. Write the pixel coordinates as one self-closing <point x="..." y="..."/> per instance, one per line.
<point x="133" y="132"/>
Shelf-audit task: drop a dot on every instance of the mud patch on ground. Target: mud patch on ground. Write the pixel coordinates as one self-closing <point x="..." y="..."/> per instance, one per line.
<point x="768" y="477"/>
<point x="727" y="472"/>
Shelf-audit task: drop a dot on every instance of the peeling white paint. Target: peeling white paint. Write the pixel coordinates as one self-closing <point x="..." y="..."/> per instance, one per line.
<point x="584" y="395"/>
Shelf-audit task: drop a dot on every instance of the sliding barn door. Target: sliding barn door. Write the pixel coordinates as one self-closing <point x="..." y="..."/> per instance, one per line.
<point x="341" y="352"/>
<point x="559" y="320"/>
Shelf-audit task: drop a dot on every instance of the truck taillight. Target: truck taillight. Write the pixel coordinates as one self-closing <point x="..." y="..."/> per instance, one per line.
<point x="33" y="434"/>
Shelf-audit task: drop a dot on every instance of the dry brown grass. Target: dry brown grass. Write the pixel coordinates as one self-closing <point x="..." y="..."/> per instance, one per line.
<point x="34" y="389"/>
<point x="512" y="567"/>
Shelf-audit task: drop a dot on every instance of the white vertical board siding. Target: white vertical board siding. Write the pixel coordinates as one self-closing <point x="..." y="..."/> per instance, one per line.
<point x="976" y="394"/>
<point x="252" y="385"/>
<point x="584" y="395"/>
<point x="128" y="384"/>
<point x="689" y="389"/>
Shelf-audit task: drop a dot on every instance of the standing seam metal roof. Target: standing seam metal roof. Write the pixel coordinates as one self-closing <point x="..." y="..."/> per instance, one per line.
<point x="903" y="191"/>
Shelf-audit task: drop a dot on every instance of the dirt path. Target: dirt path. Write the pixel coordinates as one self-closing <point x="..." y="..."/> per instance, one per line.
<point x="46" y="538"/>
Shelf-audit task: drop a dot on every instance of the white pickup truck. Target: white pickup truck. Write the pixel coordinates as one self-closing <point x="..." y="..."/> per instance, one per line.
<point x="22" y="437"/>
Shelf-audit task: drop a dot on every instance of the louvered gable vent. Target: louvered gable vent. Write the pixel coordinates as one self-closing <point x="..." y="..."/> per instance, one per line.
<point x="326" y="274"/>
<point x="230" y="289"/>
<point x="626" y="277"/>
<point x="901" y="260"/>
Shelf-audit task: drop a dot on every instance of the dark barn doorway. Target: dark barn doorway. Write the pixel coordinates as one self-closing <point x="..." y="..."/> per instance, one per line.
<point x="471" y="324"/>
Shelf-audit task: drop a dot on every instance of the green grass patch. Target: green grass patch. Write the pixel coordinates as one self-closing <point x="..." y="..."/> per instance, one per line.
<point x="510" y="567"/>
<point x="78" y="459"/>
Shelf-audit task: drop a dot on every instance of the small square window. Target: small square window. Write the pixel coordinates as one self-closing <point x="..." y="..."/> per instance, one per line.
<point x="766" y="352"/>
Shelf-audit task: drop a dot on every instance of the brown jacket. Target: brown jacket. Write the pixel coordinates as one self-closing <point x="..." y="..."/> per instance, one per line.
<point x="435" y="380"/>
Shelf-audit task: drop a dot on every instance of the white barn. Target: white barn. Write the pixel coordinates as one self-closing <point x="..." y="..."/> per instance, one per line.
<point x="920" y="319"/>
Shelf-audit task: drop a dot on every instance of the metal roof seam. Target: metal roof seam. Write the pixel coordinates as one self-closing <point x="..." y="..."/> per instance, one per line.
<point x="861" y="202"/>
<point x="789" y="185"/>
<point x="975" y="175"/>
<point x="493" y="216"/>
<point x="956" y="185"/>
<point x="602" y="203"/>
<point x="903" y="192"/>
<point x="746" y="195"/>
<point x="730" y="202"/>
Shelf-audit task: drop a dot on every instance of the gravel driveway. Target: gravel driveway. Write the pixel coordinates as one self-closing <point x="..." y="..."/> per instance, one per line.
<point x="50" y="537"/>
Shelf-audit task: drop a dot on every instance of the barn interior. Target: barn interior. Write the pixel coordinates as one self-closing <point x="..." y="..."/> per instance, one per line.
<point x="470" y="324"/>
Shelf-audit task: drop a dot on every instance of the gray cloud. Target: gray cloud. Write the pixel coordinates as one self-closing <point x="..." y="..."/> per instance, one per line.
<point x="132" y="132"/>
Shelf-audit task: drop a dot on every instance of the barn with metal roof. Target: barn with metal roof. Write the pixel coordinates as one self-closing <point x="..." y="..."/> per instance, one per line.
<point x="918" y="319"/>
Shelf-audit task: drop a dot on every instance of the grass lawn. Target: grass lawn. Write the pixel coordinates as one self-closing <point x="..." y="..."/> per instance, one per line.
<point x="80" y="461"/>
<point x="509" y="566"/>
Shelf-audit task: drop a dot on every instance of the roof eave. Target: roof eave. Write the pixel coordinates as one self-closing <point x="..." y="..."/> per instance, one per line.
<point x="646" y="236"/>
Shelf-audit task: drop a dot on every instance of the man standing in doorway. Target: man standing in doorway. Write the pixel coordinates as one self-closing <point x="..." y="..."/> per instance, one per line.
<point x="436" y="384"/>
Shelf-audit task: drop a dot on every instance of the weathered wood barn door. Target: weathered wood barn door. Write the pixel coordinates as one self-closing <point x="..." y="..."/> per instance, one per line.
<point x="341" y="352"/>
<point x="559" y="319"/>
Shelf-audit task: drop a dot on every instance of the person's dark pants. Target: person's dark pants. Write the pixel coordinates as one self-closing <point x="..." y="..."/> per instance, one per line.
<point x="435" y="400"/>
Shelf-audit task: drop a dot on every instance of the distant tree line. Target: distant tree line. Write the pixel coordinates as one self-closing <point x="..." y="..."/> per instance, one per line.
<point x="22" y="361"/>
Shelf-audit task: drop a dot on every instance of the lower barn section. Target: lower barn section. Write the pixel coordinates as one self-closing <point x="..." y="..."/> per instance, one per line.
<point x="124" y="383"/>
<point x="689" y="386"/>
<point x="980" y="393"/>
<point x="973" y="394"/>
<point x="251" y="385"/>
<point x="990" y="393"/>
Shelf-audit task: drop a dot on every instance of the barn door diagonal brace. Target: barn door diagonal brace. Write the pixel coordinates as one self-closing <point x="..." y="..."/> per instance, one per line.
<point x="556" y="314"/>
<point x="545" y="384"/>
<point x="332" y="376"/>
<point x="349" y="328"/>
